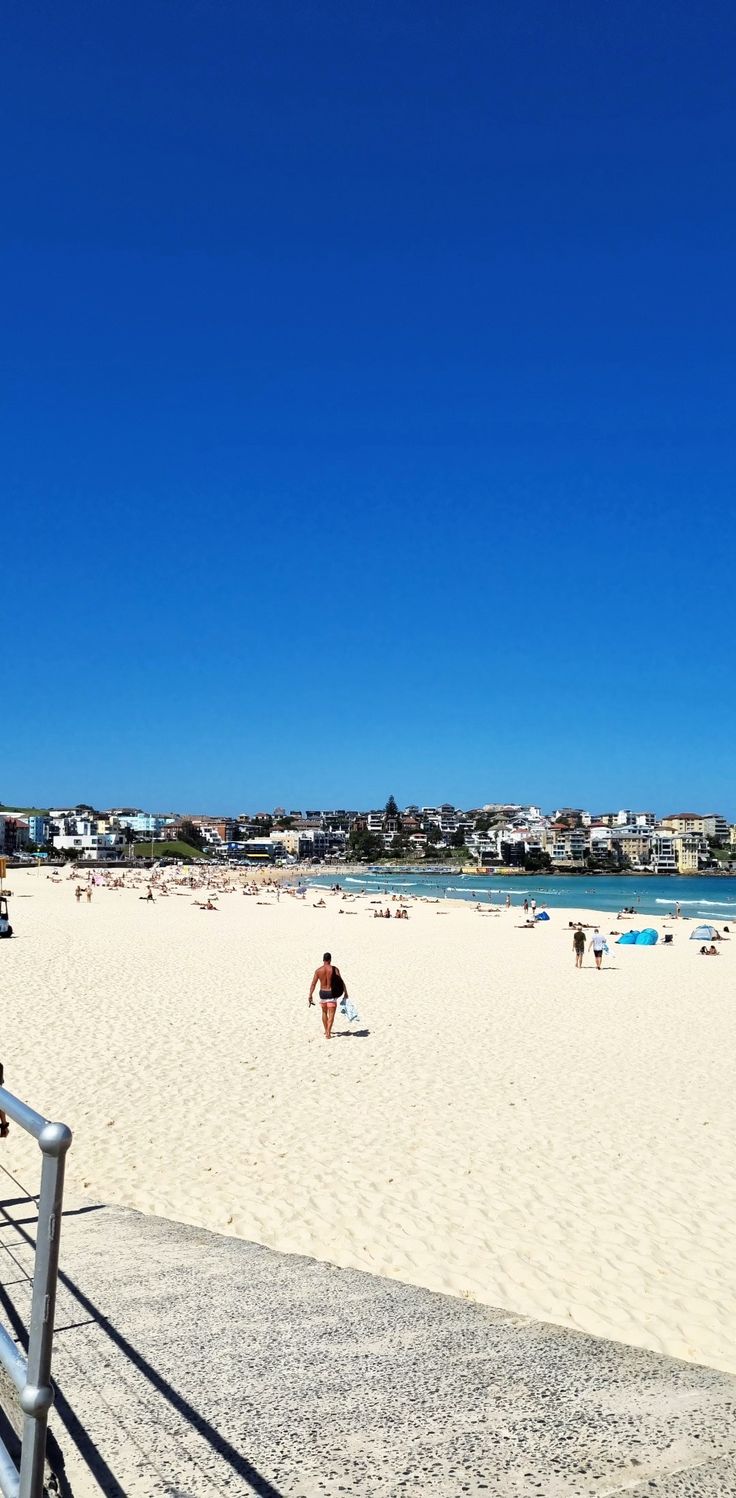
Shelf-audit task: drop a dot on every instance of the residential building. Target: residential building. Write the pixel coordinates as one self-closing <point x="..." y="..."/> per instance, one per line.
<point x="145" y="823"/>
<point x="690" y="852"/>
<point x="13" y="833"/>
<point x="262" y="849"/>
<point x="38" y="829"/>
<point x="628" y="818"/>
<point x="320" y="843"/>
<point x="664" y="854"/>
<point x="716" y="827"/>
<point x="570" y="846"/>
<point x="684" y="821"/>
<point x="96" y="846"/>
<point x="513" y="854"/>
<point x="635" y="843"/>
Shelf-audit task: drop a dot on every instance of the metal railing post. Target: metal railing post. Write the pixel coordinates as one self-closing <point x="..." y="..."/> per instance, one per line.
<point x="37" y="1396"/>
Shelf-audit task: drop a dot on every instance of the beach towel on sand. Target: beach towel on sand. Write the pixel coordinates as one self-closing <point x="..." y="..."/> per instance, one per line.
<point x="348" y="1009"/>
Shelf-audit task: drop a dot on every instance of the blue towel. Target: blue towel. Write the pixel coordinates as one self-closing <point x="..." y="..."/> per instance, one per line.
<point x="349" y="1010"/>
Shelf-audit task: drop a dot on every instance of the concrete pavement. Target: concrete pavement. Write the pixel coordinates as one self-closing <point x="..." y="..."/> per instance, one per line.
<point x="190" y="1364"/>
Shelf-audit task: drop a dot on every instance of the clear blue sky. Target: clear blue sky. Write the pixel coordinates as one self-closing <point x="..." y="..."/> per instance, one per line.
<point x="368" y="403"/>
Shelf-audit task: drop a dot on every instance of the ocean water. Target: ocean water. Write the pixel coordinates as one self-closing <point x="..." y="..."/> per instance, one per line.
<point x="712" y="899"/>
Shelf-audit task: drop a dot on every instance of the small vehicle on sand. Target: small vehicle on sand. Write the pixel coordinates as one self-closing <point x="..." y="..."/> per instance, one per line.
<point x="5" y="926"/>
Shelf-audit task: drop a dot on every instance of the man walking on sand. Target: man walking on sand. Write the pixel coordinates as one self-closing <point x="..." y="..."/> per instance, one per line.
<point x="598" y="943"/>
<point x="578" y="945"/>
<point x="331" y="988"/>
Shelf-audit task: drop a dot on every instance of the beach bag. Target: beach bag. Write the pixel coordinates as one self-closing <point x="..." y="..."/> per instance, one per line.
<point x="337" y="987"/>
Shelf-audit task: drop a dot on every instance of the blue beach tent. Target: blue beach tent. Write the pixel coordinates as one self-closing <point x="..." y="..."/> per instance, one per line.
<point x="647" y="938"/>
<point x="703" y="933"/>
<point x="542" y="916"/>
<point x="629" y="939"/>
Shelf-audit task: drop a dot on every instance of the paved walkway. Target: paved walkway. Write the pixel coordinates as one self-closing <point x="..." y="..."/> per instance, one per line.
<point x="197" y="1365"/>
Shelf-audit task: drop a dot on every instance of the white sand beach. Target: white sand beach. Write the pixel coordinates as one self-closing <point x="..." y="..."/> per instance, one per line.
<point x="502" y="1127"/>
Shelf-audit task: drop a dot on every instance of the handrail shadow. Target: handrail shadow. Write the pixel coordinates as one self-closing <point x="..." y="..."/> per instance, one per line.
<point x="239" y="1464"/>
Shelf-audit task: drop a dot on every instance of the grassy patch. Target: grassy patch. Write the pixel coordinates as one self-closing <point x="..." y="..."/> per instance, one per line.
<point x="25" y="811"/>
<point x="167" y="850"/>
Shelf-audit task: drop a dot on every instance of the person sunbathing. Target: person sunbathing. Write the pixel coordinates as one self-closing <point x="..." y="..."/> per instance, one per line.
<point x="710" y="951"/>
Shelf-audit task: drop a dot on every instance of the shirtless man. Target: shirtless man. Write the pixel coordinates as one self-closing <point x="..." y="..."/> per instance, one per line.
<point x="327" y="1003"/>
<point x="578" y="946"/>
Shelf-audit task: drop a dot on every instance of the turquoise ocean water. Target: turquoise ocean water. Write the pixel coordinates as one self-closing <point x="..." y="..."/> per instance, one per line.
<point x="711" y="899"/>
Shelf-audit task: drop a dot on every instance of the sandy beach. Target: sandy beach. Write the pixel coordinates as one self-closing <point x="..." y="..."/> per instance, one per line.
<point x="501" y="1126"/>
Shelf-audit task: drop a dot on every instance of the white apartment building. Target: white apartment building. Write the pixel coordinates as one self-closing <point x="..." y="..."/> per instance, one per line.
<point x="664" y="853"/>
<point x="92" y="845"/>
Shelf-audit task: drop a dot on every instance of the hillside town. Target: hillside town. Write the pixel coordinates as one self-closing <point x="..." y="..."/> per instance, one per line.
<point x="499" y="836"/>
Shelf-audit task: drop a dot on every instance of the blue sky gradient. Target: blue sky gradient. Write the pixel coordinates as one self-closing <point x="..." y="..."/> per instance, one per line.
<point x="368" y="404"/>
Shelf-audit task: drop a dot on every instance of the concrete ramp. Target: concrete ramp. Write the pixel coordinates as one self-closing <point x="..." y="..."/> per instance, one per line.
<point x="191" y="1365"/>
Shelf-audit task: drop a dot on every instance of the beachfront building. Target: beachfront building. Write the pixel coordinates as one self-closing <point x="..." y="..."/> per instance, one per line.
<point x="664" y="855"/>
<point x="633" y="844"/>
<point x="601" y="835"/>
<point x="691" y="853"/>
<point x="94" y="846"/>
<point x="14" y="835"/>
<point x="38" y="828"/>
<point x="261" y="849"/>
<point x="483" y="848"/>
<point x="315" y="844"/>
<point x="570" y="846"/>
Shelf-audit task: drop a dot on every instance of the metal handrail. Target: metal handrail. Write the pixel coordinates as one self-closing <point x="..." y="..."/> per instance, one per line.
<point x="31" y="1375"/>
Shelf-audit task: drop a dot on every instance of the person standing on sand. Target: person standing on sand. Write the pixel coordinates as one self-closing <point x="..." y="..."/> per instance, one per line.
<point x="331" y="988"/>
<point x="598" y="943"/>
<point x="578" y="946"/>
